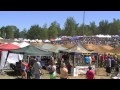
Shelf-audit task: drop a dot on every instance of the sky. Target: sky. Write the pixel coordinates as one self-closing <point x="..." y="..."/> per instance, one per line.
<point x="24" y="19"/>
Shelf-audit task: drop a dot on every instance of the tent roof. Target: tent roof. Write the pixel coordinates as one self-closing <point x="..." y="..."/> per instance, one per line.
<point x="15" y="43"/>
<point x="46" y="46"/>
<point x="46" y="41"/>
<point x="77" y="49"/>
<point x="57" y="48"/>
<point x="8" y="46"/>
<point x="23" y="44"/>
<point x="31" y="50"/>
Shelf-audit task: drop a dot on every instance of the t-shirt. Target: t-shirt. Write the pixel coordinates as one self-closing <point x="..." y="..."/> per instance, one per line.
<point x="93" y="58"/>
<point x="108" y="62"/>
<point x="90" y="74"/>
<point x="90" y="59"/>
<point x="52" y="68"/>
<point x="112" y="62"/>
<point x="101" y="57"/>
<point x="105" y="57"/>
<point x="37" y="66"/>
<point x="23" y="66"/>
<point x="87" y="60"/>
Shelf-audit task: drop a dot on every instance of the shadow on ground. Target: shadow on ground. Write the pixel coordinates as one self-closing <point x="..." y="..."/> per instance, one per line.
<point x="18" y="78"/>
<point x="12" y="73"/>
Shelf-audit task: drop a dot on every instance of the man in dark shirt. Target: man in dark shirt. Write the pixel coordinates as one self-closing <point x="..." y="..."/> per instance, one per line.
<point x="108" y="66"/>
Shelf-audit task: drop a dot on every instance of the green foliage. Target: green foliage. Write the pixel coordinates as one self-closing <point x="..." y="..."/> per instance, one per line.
<point x="53" y="30"/>
<point x="45" y="32"/>
<point x="23" y="33"/>
<point x="9" y="32"/>
<point x="2" y="33"/>
<point x="34" y="32"/>
<point x="71" y="28"/>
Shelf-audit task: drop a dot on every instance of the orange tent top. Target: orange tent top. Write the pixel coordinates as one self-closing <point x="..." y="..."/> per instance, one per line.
<point x="8" y="46"/>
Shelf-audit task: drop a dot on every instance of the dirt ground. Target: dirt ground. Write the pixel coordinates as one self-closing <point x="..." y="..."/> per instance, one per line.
<point x="99" y="48"/>
<point x="100" y="74"/>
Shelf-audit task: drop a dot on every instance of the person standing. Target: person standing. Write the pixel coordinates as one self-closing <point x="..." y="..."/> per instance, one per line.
<point x="116" y="68"/>
<point x="90" y="74"/>
<point x="63" y="71"/>
<point x="23" y="70"/>
<point x="37" y="69"/>
<point x="29" y="71"/>
<point x="52" y="70"/>
<point x="108" y="66"/>
<point x="112" y="64"/>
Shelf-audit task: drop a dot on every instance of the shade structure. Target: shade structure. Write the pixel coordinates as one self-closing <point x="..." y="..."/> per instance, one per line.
<point x="23" y="44"/>
<point x="30" y="50"/>
<point x="57" y="48"/>
<point x="8" y="46"/>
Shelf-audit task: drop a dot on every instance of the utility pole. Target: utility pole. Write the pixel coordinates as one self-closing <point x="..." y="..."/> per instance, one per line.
<point x="83" y="21"/>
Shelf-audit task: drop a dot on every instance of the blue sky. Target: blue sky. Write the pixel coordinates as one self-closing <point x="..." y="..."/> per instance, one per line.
<point x="24" y="19"/>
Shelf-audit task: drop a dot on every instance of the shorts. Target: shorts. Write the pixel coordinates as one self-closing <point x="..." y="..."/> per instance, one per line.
<point x="108" y="69"/>
<point x="52" y="76"/>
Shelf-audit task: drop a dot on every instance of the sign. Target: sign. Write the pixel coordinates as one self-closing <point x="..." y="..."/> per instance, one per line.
<point x="83" y="69"/>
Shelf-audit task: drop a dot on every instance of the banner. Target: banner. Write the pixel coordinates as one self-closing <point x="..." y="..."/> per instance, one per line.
<point x="74" y="71"/>
<point x="84" y="69"/>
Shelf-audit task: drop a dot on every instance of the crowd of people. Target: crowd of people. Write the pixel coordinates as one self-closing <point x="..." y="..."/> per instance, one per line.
<point x="113" y="41"/>
<point x="33" y="69"/>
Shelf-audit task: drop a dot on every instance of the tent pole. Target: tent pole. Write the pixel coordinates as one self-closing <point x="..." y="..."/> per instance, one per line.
<point x="28" y="58"/>
<point x="6" y="58"/>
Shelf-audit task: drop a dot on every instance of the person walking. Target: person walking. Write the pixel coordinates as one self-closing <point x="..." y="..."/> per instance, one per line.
<point x="63" y="71"/>
<point x="37" y="69"/>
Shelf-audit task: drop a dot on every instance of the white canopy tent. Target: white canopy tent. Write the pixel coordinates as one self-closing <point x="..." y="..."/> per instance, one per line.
<point x="16" y="43"/>
<point x="46" y="41"/>
<point x="23" y="44"/>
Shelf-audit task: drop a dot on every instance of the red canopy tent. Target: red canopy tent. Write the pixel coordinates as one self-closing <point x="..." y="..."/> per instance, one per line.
<point x="8" y="46"/>
<point x="2" y="44"/>
<point x="4" y="48"/>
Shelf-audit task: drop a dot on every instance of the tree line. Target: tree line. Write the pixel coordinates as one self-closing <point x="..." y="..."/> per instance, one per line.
<point x="71" y="28"/>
